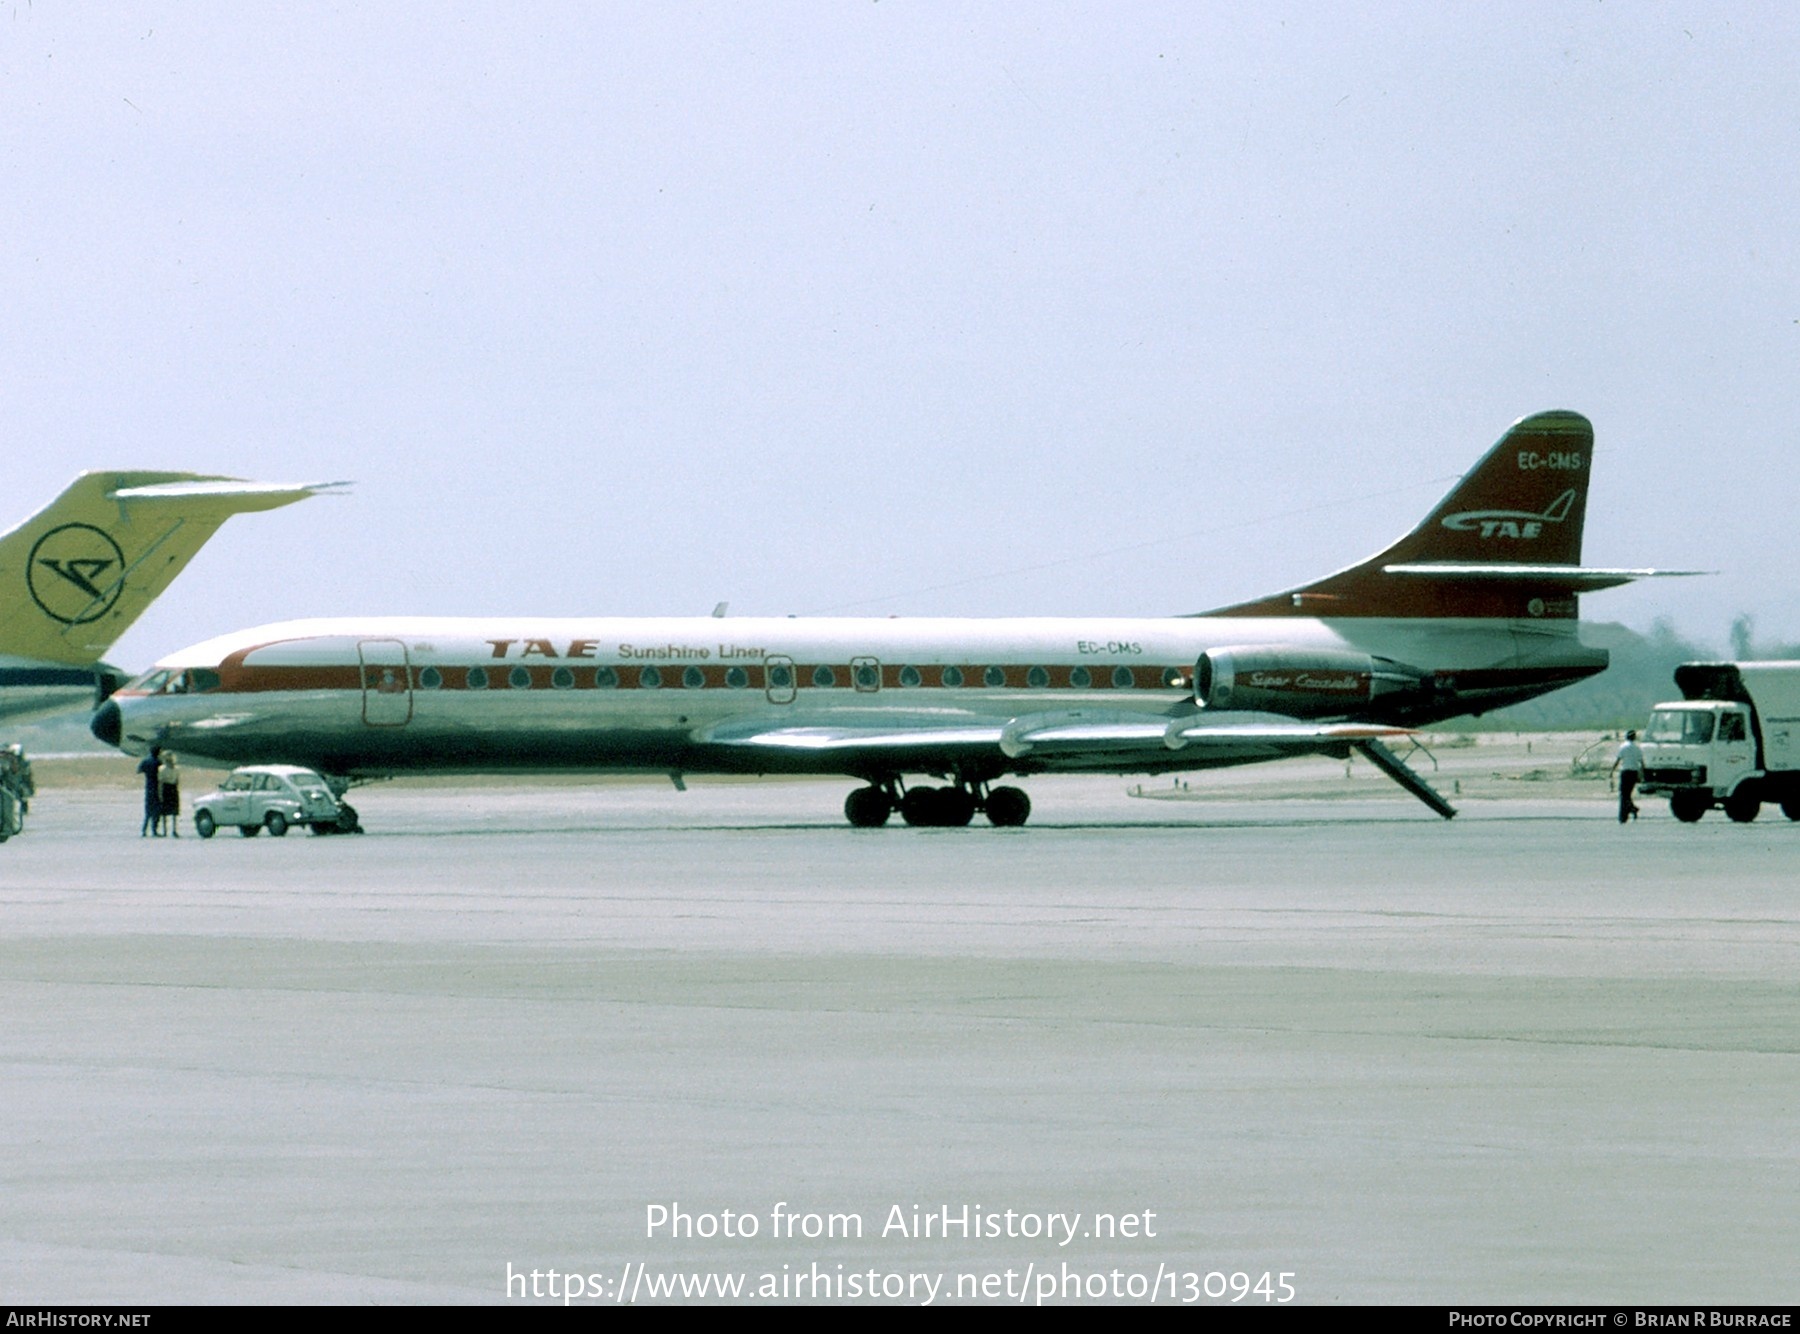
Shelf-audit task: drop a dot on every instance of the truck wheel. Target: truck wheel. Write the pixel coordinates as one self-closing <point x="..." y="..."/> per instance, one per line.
<point x="1743" y="807"/>
<point x="204" y="824"/>
<point x="1688" y="807"/>
<point x="1790" y="807"/>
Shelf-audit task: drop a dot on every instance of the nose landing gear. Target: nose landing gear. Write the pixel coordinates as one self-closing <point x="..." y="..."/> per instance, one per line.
<point x="949" y="807"/>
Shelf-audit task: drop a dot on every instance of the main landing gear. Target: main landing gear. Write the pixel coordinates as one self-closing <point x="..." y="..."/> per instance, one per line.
<point x="936" y="807"/>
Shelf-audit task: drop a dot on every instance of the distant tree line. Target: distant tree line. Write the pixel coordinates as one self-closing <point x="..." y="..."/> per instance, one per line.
<point x="1641" y="674"/>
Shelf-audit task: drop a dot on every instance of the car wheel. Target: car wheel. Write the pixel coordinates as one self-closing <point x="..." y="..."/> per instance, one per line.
<point x="277" y="824"/>
<point x="204" y="824"/>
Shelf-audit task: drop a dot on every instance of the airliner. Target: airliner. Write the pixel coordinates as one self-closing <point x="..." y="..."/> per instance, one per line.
<point x="75" y="575"/>
<point x="1473" y="609"/>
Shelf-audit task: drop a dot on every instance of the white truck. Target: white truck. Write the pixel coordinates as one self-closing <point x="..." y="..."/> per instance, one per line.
<point x="1732" y="740"/>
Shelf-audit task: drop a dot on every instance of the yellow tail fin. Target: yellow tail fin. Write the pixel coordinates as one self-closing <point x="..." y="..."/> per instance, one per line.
<point x="74" y="576"/>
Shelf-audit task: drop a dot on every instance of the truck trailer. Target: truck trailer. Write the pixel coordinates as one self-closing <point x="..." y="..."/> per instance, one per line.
<point x="1732" y="740"/>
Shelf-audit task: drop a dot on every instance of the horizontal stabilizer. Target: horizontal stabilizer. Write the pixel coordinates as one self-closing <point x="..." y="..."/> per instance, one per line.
<point x="243" y="496"/>
<point x="1564" y="579"/>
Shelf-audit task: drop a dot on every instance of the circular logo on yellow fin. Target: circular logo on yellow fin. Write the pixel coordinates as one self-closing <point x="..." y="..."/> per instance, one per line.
<point x="74" y="573"/>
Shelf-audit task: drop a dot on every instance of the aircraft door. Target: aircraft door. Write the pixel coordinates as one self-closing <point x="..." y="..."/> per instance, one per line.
<point x="386" y="683"/>
<point x="778" y="679"/>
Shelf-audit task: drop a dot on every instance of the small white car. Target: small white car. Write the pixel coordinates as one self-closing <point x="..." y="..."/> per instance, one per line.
<point x="274" y="797"/>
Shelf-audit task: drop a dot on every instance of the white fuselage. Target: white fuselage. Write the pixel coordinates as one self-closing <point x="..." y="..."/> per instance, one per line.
<point x="395" y="695"/>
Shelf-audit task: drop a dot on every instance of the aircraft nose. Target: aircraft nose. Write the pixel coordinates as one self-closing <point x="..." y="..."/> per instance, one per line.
<point x="108" y="723"/>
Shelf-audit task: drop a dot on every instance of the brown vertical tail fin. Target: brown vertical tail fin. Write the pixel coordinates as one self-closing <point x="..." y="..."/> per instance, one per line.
<point x="1505" y="543"/>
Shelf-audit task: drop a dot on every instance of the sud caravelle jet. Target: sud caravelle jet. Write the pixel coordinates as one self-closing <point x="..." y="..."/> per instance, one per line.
<point x="74" y="576"/>
<point x="1473" y="609"/>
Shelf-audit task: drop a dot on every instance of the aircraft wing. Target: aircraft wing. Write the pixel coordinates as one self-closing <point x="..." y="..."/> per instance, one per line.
<point x="1070" y="733"/>
<point x="1075" y="739"/>
<point x="840" y="738"/>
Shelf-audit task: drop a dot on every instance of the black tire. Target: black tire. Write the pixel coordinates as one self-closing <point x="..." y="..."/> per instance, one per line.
<point x="204" y="824"/>
<point x="347" y="823"/>
<point x="249" y="830"/>
<point x="1008" y="807"/>
<point x="919" y="807"/>
<point x="955" y="807"/>
<point x="1743" y="807"/>
<point x="868" y="808"/>
<point x="276" y="824"/>
<point x="1688" y="807"/>
<point x="1790" y="807"/>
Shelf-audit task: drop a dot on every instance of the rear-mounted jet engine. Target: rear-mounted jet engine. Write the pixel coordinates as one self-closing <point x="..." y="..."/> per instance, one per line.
<point x="1303" y="682"/>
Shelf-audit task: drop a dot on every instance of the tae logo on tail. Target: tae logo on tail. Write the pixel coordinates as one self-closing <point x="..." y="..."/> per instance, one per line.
<point x="1511" y="523"/>
<point x="75" y="573"/>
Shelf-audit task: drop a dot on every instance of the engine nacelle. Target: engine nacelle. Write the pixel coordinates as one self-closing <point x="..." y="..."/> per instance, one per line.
<point x="1302" y="682"/>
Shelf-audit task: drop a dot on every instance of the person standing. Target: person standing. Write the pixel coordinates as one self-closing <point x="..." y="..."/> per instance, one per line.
<point x="1630" y="767"/>
<point x="168" y="781"/>
<point x="150" y="767"/>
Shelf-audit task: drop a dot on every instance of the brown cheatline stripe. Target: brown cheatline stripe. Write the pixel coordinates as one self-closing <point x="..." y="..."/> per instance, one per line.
<point x="239" y="678"/>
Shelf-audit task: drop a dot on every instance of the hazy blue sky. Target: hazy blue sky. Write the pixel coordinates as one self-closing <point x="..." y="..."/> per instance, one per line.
<point x="895" y="307"/>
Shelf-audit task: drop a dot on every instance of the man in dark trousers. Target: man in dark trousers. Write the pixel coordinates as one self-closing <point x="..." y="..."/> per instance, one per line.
<point x="1630" y="765"/>
<point x="151" y="768"/>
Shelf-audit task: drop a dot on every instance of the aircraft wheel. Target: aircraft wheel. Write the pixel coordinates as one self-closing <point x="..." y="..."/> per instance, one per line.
<point x="1008" y="807"/>
<point x="919" y="807"/>
<point x="868" y="808"/>
<point x="249" y="830"/>
<point x="1790" y="807"/>
<point x="204" y="824"/>
<point x="955" y="807"/>
<point x="1743" y="807"/>
<point x="1688" y="807"/>
<point x="277" y="824"/>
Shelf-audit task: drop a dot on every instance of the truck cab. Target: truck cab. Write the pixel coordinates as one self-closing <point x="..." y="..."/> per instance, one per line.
<point x="1727" y="743"/>
<point x="1698" y="754"/>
